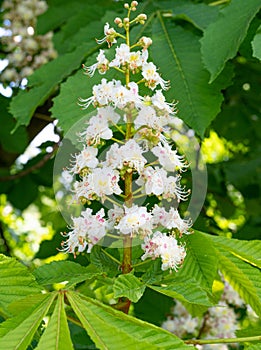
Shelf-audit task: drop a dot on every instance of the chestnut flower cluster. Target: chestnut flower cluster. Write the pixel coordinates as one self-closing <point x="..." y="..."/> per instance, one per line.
<point x="220" y="321"/>
<point x="25" y="50"/>
<point x="137" y="162"/>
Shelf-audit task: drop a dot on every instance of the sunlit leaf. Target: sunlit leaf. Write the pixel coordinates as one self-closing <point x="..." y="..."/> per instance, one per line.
<point x="109" y="328"/>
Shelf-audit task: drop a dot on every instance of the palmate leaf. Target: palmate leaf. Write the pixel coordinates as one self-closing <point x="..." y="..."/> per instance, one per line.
<point x="57" y="334"/>
<point x="222" y="38"/>
<point x="199" y="14"/>
<point x="243" y="277"/>
<point x="185" y="290"/>
<point x="61" y="271"/>
<point x="43" y="81"/>
<point x="248" y="251"/>
<point x="20" y="337"/>
<point x="128" y="286"/>
<point x="256" y="44"/>
<point x="16" y="282"/>
<point x="176" y="51"/>
<point x="111" y="329"/>
<point x="201" y="261"/>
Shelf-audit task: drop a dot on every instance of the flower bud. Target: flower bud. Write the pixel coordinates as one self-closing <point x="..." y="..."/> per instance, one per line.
<point x="126" y="6"/>
<point x="117" y="20"/>
<point x="134" y="3"/>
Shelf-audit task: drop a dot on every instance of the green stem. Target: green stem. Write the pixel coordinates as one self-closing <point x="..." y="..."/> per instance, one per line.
<point x="111" y="257"/>
<point x="142" y="263"/>
<point x="219" y="2"/>
<point x="222" y="341"/>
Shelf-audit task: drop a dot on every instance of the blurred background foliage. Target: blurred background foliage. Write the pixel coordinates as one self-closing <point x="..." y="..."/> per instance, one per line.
<point x="225" y="114"/>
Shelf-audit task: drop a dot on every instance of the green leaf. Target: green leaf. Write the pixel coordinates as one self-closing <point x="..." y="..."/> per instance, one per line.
<point x="243" y="277"/>
<point x="185" y="290"/>
<point x="103" y="262"/>
<point x="110" y="329"/>
<point x="231" y="25"/>
<point x="128" y="286"/>
<point x="21" y="337"/>
<point x="256" y="44"/>
<point x="20" y="310"/>
<point x="201" y="261"/>
<point x="42" y="82"/>
<point x="248" y="251"/>
<point x="153" y="307"/>
<point x="57" y="334"/>
<point x="199" y="14"/>
<point x="17" y="141"/>
<point x="15" y="283"/>
<point x="21" y="186"/>
<point x="61" y="271"/>
<point x="198" y="102"/>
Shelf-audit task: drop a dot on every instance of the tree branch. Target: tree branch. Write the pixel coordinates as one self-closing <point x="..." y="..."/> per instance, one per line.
<point x="29" y="170"/>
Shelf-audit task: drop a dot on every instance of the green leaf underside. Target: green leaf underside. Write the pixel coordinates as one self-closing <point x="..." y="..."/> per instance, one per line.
<point x="256" y="44"/>
<point x="218" y="46"/>
<point x="21" y="310"/>
<point x="198" y="102"/>
<point x="42" y="83"/>
<point x="248" y="251"/>
<point x="15" y="283"/>
<point x="110" y="329"/>
<point x="199" y="14"/>
<point x="21" y="337"/>
<point x="57" y="334"/>
<point x="243" y="277"/>
<point x="201" y="261"/>
<point x="61" y="271"/>
<point x="128" y="286"/>
<point x="184" y="290"/>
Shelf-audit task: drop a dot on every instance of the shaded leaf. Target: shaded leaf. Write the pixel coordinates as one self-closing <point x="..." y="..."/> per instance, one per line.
<point x="153" y="307"/>
<point x="199" y="14"/>
<point x="232" y="24"/>
<point x="128" y="286"/>
<point x="109" y="328"/>
<point x="199" y="102"/>
<point x="42" y="82"/>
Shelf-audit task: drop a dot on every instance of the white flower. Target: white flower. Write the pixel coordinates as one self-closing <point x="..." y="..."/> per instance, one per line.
<point x="170" y="219"/>
<point x="153" y="180"/>
<point x="104" y="182"/>
<point x="101" y="65"/>
<point x="147" y="117"/>
<point x="121" y="57"/>
<point x="158" y="100"/>
<point x="160" y="245"/>
<point x="66" y="179"/>
<point x="86" y="158"/>
<point x="110" y="35"/>
<point x="168" y="158"/>
<point x="114" y="215"/>
<point x="152" y="78"/>
<point x="99" y="126"/>
<point x="86" y="230"/>
<point x="135" y="60"/>
<point x="135" y="220"/>
<point x="131" y="155"/>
